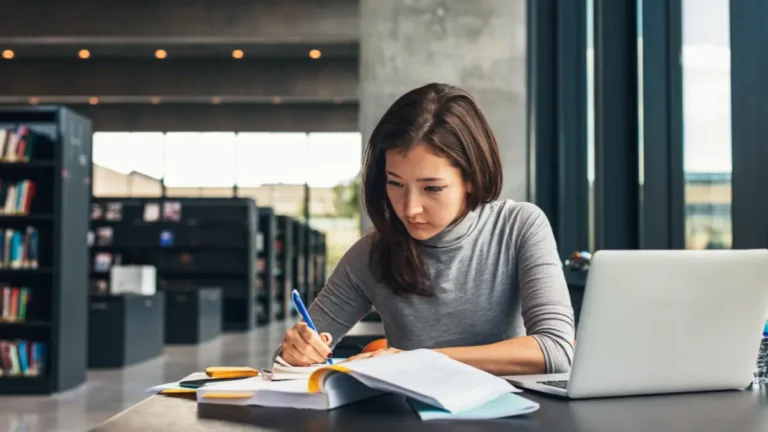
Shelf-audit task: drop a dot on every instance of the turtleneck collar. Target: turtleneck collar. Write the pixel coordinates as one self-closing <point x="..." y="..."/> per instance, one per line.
<point x="454" y="233"/>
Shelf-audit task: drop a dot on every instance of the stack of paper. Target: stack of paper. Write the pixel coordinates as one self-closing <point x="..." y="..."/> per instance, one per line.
<point x="281" y="370"/>
<point x="436" y="386"/>
<point x="506" y="405"/>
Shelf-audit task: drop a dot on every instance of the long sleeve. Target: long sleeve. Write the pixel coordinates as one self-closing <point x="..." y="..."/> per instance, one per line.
<point x="342" y="303"/>
<point x="546" y="305"/>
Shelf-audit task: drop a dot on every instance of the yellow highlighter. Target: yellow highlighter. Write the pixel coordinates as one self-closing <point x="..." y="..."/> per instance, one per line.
<point x="178" y="391"/>
<point x="231" y="372"/>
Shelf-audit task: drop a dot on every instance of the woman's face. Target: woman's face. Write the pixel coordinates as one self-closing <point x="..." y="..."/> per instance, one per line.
<point x="426" y="191"/>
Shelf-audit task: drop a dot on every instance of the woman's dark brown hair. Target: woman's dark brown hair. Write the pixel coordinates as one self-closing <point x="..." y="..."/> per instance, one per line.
<point x="449" y="121"/>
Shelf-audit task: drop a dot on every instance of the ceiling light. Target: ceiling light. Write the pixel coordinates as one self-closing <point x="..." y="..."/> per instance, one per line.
<point x="216" y="100"/>
<point x="277" y="100"/>
<point x="34" y="100"/>
<point x="93" y="100"/>
<point x="84" y="54"/>
<point x="161" y="54"/>
<point x="315" y="54"/>
<point x="154" y="100"/>
<point x="8" y="54"/>
<point x="238" y="54"/>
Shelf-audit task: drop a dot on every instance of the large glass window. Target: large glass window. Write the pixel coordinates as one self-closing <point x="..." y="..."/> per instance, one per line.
<point x="271" y="168"/>
<point x="707" y="123"/>
<point x="128" y="163"/>
<point x="199" y="164"/>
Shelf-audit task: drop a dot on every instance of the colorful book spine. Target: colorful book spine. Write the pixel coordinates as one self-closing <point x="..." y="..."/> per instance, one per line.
<point x="14" y="303"/>
<point x="18" y="145"/>
<point x="19" y="249"/>
<point x="22" y="358"/>
<point x="16" y="196"/>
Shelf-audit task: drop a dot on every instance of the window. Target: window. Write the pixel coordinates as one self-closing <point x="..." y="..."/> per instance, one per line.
<point x="199" y="164"/>
<point x="127" y="164"/>
<point x="707" y="123"/>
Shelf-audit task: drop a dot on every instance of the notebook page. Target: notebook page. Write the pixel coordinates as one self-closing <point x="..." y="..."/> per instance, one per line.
<point x="506" y="405"/>
<point x="454" y="385"/>
<point x="257" y="384"/>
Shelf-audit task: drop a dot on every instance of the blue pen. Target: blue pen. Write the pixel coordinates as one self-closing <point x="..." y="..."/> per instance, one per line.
<point x="303" y="311"/>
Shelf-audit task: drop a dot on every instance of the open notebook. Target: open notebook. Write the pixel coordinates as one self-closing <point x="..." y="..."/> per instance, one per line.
<point x="281" y="370"/>
<point x="423" y="375"/>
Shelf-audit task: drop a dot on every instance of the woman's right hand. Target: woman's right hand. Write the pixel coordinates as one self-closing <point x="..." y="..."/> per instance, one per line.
<point x="303" y="346"/>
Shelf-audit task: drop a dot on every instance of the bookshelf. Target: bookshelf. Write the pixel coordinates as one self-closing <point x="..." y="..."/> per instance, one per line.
<point x="299" y="258"/>
<point x="266" y="262"/>
<point x="45" y="172"/>
<point x="317" y="260"/>
<point x="284" y="266"/>
<point x="194" y="243"/>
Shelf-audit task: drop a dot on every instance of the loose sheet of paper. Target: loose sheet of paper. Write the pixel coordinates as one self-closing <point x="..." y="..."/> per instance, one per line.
<point x="453" y="384"/>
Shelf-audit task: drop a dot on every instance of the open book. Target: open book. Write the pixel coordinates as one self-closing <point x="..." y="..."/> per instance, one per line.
<point x="422" y="375"/>
<point x="281" y="370"/>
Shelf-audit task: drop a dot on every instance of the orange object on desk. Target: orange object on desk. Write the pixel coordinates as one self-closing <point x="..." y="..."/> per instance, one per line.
<point x="375" y="345"/>
<point x="230" y="371"/>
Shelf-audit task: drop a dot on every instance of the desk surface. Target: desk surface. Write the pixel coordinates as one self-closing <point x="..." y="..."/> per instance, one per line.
<point x="738" y="411"/>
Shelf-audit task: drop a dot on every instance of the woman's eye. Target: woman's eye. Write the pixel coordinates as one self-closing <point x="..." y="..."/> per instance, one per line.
<point x="434" y="188"/>
<point x="393" y="183"/>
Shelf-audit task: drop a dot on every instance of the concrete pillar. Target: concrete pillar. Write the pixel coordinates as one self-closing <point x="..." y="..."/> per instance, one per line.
<point x="477" y="45"/>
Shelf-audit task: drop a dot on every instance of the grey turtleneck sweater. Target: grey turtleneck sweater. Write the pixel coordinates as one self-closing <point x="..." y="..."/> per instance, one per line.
<point x="497" y="275"/>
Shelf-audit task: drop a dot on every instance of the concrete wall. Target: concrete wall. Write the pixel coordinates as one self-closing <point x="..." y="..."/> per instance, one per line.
<point x="479" y="46"/>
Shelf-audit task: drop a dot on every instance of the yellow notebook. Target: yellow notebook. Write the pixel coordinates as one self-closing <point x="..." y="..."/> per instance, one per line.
<point x="423" y="375"/>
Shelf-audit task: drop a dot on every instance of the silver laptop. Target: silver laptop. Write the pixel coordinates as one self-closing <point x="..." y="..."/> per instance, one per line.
<point x="669" y="321"/>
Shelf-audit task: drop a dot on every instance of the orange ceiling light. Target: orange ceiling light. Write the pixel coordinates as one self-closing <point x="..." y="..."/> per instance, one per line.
<point x="277" y="100"/>
<point x="315" y="54"/>
<point x="161" y="54"/>
<point x="8" y="54"/>
<point x="154" y="100"/>
<point x="93" y="100"/>
<point x="84" y="54"/>
<point x="237" y="54"/>
<point x="216" y="100"/>
<point x="34" y="100"/>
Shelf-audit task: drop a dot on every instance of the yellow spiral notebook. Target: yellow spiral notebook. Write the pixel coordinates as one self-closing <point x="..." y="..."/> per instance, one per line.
<point x="423" y="375"/>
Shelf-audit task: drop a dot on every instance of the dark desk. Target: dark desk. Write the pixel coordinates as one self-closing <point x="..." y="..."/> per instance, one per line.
<point x="745" y="411"/>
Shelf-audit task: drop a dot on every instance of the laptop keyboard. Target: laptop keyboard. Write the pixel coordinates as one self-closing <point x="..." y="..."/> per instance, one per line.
<point x="560" y="384"/>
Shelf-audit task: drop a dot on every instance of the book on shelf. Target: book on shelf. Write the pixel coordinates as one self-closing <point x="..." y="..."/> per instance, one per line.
<point x="22" y="358"/>
<point x="151" y="212"/>
<point x="18" y="250"/>
<point x="172" y="211"/>
<point x="104" y="236"/>
<point x="18" y="144"/>
<point x="16" y="196"/>
<point x="103" y="261"/>
<point x="13" y="303"/>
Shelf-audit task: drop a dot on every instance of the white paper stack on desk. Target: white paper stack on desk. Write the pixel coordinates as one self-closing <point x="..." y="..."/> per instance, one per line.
<point x="437" y="381"/>
<point x="281" y="370"/>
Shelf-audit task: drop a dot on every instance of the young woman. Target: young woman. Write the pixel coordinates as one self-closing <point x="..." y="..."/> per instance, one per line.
<point x="448" y="267"/>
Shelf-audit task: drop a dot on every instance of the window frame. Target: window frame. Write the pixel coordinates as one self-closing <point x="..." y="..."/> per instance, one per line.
<point x="749" y="128"/>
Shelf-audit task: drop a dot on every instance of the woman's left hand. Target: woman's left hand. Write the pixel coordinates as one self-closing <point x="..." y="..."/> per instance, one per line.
<point x="377" y="353"/>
